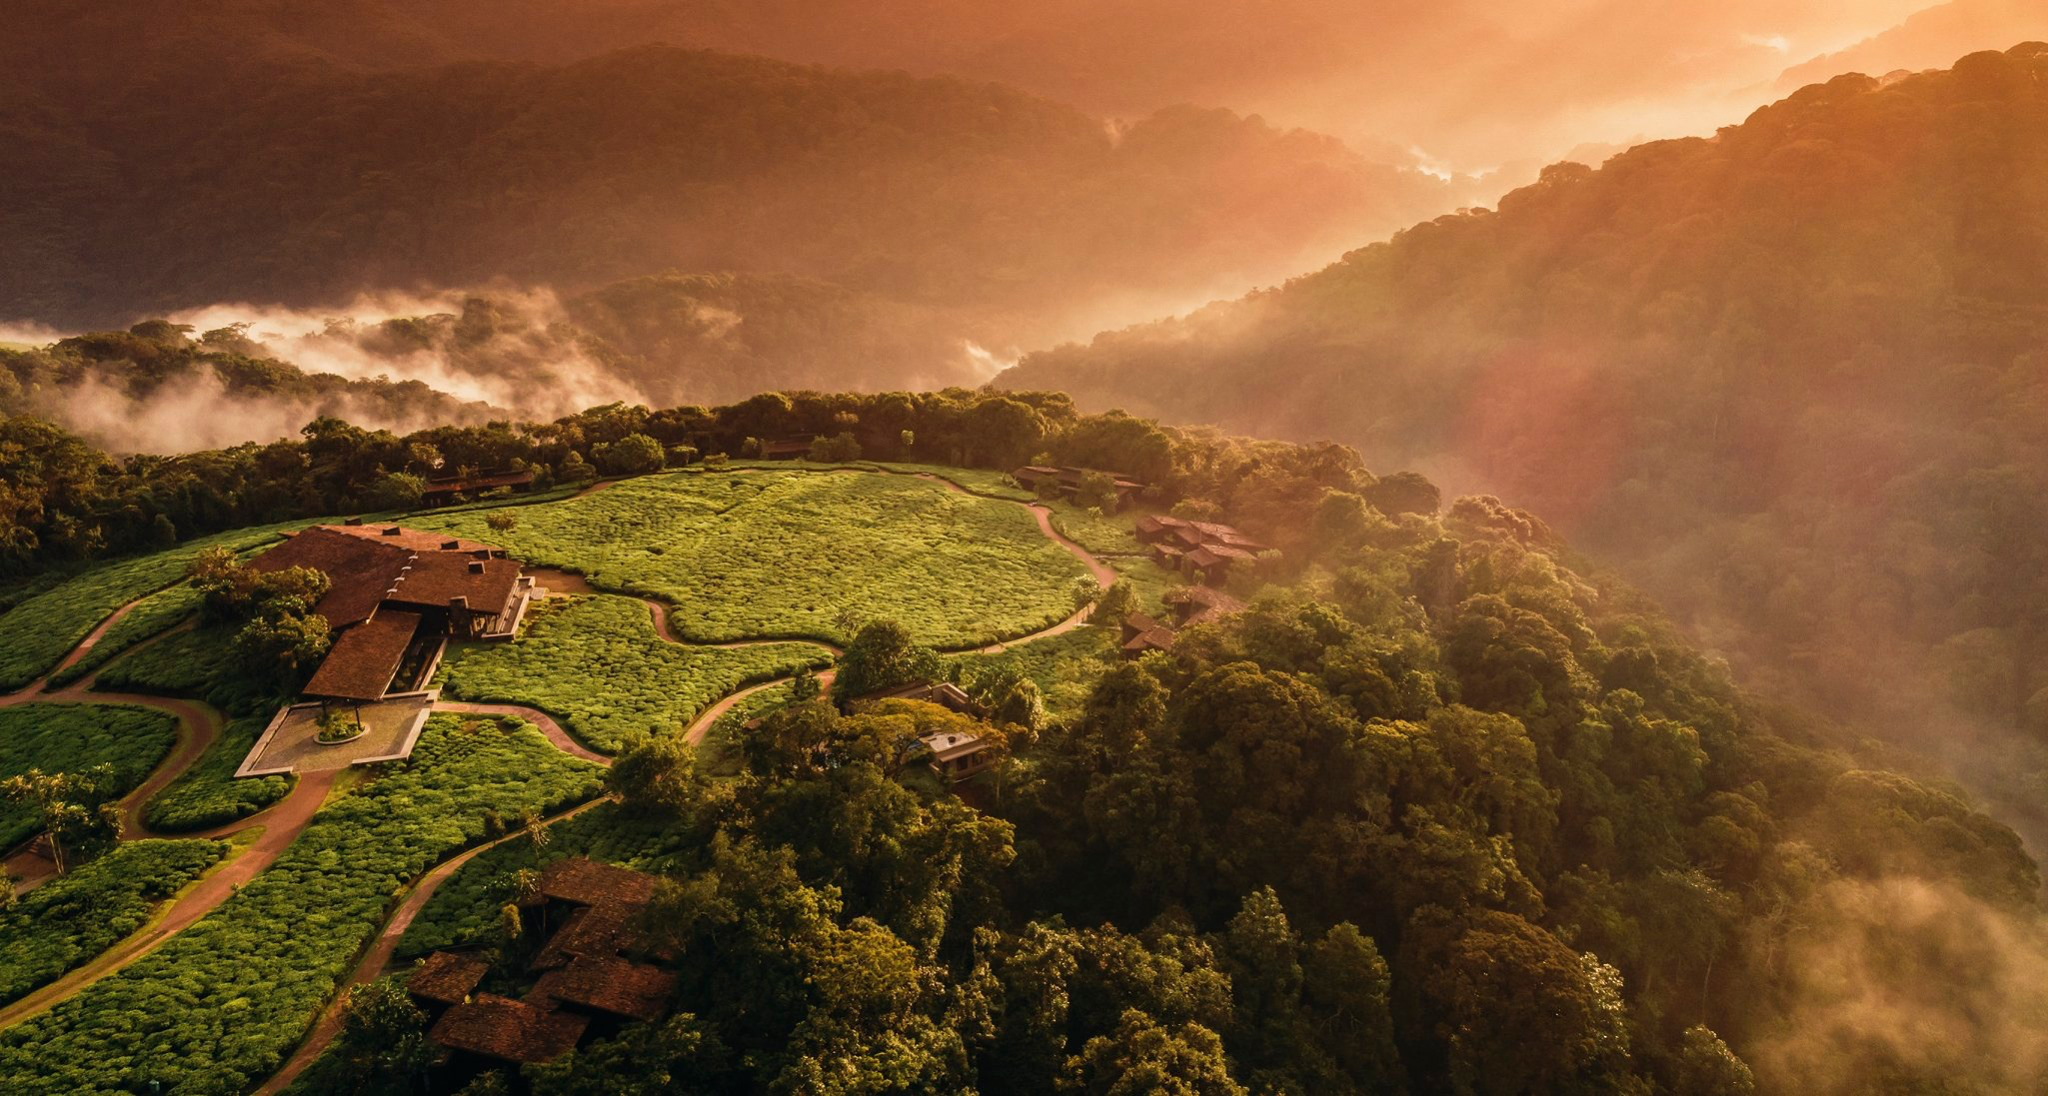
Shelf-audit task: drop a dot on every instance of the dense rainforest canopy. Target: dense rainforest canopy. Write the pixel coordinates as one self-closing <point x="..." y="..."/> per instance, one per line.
<point x="1790" y="376"/>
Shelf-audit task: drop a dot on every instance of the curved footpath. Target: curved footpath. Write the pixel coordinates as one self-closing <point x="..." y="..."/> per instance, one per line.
<point x="200" y="725"/>
<point x="381" y="950"/>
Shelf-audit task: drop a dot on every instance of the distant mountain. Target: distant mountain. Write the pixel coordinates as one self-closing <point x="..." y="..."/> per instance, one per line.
<point x="248" y="152"/>
<point x="1792" y="375"/>
<point x="1929" y="39"/>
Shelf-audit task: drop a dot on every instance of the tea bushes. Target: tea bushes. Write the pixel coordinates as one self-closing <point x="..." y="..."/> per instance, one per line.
<point x="767" y="554"/>
<point x="70" y="920"/>
<point x="154" y="615"/>
<point x="71" y="738"/>
<point x="1104" y="534"/>
<point x="465" y="909"/>
<point x="217" y="1007"/>
<point x="1064" y="667"/>
<point x="207" y="794"/>
<point x="597" y="664"/>
<point x="36" y="634"/>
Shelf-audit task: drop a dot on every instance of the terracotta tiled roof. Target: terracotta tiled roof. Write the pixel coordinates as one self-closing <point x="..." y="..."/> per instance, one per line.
<point x="511" y="1031"/>
<point x="1210" y="555"/>
<point x="607" y="984"/>
<point x="363" y="659"/>
<point x="446" y="977"/>
<point x="359" y="571"/>
<point x="436" y="577"/>
<point x="587" y="883"/>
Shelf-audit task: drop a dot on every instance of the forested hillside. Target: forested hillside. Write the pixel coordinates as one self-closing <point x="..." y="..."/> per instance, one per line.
<point x="1443" y="809"/>
<point x="1791" y="375"/>
<point x="158" y="389"/>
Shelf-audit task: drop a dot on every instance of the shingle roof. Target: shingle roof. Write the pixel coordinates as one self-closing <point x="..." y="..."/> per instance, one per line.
<point x="436" y="577"/>
<point x="362" y="661"/>
<point x="599" y="931"/>
<point x="359" y="571"/>
<point x="511" y="1031"/>
<point x="608" y="984"/>
<point x="588" y="883"/>
<point x="446" y="977"/>
<point x="1206" y="597"/>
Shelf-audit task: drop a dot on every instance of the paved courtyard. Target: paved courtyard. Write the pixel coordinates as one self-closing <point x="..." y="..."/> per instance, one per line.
<point x="391" y="725"/>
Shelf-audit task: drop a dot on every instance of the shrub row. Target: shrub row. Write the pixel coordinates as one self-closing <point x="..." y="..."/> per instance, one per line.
<point x="207" y="794"/>
<point x="596" y="664"/>
<point x="40" y="631"/>
<point x="778" y="553"/>
<point x="69" y="921"/>
<point x="217" y="1008"/>
<point x="71" y="738"/>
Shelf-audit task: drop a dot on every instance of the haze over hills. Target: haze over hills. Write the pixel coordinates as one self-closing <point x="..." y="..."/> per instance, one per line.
<point x="1467" y="85"/>
<point x="1928" y="39"/>
<point x="1791" y="377"/>
<point x="253" y="154"/>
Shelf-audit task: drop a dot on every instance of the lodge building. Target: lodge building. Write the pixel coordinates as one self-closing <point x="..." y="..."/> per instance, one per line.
<point x="394" y="596"/>
<point x="1205" y="551"/>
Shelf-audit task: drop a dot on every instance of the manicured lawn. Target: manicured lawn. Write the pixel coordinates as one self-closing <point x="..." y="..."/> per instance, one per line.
<point x="157" y="613"/>
<point x="465" y="909"/>
<point x="37" y="633"/>
<point x="218" y="1007"/>
<point x="70" y="920"/>
<point x="208" y="794"/>
<point x="752" y="555"/>
<point x="597" y="664"/>
<point x="1065" y="667"/>
<point x="71" y="738"/>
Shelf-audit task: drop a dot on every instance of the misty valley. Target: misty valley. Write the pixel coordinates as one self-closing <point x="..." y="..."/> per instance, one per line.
<point x="1262" y="549"/>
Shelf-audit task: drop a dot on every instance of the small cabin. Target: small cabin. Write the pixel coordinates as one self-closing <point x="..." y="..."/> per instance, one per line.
<point x="957" y="757"/>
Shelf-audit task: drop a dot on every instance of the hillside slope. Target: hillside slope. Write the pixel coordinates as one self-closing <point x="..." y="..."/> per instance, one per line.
<point x="1792" y="376"/>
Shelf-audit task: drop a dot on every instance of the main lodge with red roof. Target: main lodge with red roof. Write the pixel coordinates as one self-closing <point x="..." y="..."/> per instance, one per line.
<point x="394" y="596"/>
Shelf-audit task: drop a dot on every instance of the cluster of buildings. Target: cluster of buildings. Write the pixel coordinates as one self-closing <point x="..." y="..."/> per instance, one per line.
<point x="954" y="756"/>
<point x="394" y="596"/>
<point x="1064" y="481"/>
<point x="1190" y="605"/>
<point x="1204" y="551"/>
<point x="593" y="977"/>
